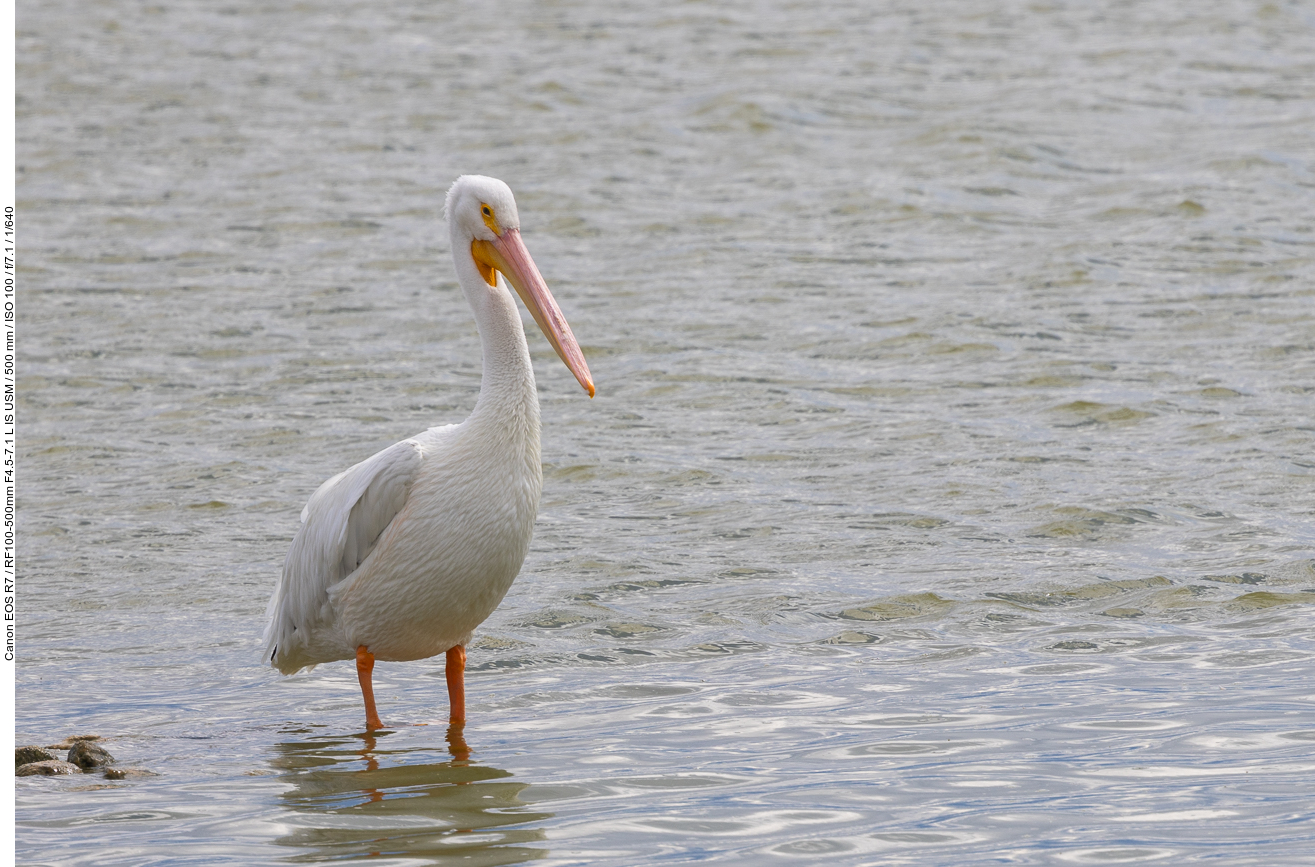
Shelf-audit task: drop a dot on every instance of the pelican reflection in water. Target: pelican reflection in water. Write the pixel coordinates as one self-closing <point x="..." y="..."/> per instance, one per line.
<point x="355" y="797"/>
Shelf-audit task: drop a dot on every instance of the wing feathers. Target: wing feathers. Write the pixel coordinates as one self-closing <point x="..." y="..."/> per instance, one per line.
<point x="341" y="523"/>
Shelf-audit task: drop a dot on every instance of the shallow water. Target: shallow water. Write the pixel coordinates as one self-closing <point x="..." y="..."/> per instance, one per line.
<point x="946" y="498"/>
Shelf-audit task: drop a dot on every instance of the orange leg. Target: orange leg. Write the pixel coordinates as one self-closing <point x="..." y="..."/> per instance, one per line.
<point x="456" y="683"/>
<point x="364" y="668"/>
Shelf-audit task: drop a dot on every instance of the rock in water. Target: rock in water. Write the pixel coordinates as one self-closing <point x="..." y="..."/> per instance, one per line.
<point x="128" y="773"/>
<point x="47" y="769"/>
<point x="87" y="755"/>
<point x="70" y="741"/>
<point x="27" y="755"/>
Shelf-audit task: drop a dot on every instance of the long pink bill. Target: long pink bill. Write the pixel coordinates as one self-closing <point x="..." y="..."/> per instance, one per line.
<point x="507" y="254"/>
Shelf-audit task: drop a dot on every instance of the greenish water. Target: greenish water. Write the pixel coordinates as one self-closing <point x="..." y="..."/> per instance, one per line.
<point x="947" y="496"/>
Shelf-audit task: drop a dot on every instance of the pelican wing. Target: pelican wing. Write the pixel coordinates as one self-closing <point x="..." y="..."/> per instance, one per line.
<point x="339" y="528"/>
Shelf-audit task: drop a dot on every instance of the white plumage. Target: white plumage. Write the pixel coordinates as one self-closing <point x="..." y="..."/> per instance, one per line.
<point x="403" y="555"/>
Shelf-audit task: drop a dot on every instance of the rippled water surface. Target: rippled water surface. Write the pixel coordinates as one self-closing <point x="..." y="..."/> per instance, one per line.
<point x="947" y="496"/>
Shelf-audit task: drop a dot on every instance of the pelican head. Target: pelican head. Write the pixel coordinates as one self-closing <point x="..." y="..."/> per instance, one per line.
<point x="485" y="229"/>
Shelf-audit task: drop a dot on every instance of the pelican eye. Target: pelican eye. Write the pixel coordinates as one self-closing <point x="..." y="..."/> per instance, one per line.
<point x="490" y="219"/>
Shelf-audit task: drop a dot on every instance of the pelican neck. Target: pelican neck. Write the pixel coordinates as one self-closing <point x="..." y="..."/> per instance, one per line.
<point x="507" y="394"/>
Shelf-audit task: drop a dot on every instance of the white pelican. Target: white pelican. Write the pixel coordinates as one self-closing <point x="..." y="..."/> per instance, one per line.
<point x="403" y="555"/>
